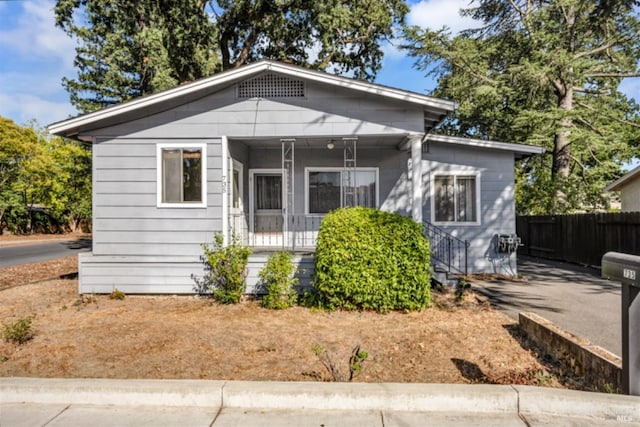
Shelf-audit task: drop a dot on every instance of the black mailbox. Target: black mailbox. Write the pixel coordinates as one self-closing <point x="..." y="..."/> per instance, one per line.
<point x="625" y="268"/>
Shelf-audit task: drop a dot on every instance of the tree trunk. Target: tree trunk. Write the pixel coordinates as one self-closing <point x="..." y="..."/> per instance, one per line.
<point x="562" y="150"/>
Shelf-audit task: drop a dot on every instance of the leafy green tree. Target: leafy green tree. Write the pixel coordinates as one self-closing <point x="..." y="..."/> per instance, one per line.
<point x="129" y="49"/>
<point x="544" y="72"/>
<point x="17" y="146"/>
<point x="337" y="35"/>
<point x="51" y="173"/>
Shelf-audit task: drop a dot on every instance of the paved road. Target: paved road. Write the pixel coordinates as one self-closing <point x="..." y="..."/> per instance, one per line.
<point x="25" y="254"/>
<point x="573" y="297"/>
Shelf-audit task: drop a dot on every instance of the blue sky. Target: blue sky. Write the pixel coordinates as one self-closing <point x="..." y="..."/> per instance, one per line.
<point x="34" y="56"/>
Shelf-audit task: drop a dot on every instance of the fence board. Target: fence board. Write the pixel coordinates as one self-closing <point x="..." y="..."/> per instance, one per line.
<point x="580" y="238"/>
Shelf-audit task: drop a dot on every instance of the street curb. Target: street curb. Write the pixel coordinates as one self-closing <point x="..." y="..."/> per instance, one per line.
<point x="440" y="398"/>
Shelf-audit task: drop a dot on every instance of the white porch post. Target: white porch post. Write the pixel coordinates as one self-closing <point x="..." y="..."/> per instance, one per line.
<point x="416" y="176"/>
<point x="224" y="144"/>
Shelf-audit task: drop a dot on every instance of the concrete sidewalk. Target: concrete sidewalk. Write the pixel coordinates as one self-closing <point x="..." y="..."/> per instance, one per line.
<point x="100" y="402"/>
<point x="573" y="297"/>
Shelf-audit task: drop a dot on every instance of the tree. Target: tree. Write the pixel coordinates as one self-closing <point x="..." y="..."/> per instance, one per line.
<point x="130" y="49"/>
<point x="53" y="174"/>
<point x="339" y="35"/>
<point x="17" y="146"/>
<point x="544" y="72"/>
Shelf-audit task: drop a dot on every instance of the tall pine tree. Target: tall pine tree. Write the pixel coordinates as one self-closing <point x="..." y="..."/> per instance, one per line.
<point x="133" y="48"/>
<point x="544" y="72"/>
<point x="129" y="49"/>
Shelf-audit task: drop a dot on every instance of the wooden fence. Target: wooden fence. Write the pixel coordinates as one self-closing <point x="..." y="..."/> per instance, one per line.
<point x="581" y="238"/>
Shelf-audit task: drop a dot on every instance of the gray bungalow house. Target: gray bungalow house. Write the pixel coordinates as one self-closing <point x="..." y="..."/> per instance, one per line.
<point x="262" y="152"/>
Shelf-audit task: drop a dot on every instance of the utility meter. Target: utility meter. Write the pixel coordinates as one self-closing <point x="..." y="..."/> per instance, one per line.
<point x="508" y="243"/>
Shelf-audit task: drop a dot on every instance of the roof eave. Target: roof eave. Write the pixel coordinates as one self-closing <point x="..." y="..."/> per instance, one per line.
<point x="74" y="126"/>
<point x="623" y="180"/>
<point x="518" y="149"/>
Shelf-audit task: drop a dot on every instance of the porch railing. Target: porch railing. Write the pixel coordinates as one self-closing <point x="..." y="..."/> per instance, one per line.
<point x="447" y="249"/>
<point x="301" y="231"/>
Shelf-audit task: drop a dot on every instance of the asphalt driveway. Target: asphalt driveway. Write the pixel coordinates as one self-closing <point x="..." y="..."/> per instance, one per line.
<point x="573" y="297"/>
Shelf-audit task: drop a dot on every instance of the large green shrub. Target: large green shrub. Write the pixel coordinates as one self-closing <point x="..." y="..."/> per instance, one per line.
<point x="225" y="270"/>
<point x="278" y="278"/>
<point x="371" y="259"/>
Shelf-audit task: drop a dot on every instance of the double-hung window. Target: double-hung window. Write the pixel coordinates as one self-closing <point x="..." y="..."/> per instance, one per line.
<point x="455" y="199"/>
<point x="182" y="175"/>
<point x="331" y="188"/>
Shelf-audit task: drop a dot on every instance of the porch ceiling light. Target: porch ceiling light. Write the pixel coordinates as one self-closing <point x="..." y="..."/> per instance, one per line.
<point x="330" y="145"/>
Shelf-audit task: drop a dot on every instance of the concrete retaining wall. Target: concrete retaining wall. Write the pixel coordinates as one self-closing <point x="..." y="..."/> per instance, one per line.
<point x="599" y="367"/>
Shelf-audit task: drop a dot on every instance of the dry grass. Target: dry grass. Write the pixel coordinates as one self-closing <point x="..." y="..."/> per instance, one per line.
<point x="28" y="273"/>
<point x="184" y="337"/>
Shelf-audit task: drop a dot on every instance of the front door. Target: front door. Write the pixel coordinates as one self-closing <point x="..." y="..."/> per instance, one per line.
<point x="266" y="206"/>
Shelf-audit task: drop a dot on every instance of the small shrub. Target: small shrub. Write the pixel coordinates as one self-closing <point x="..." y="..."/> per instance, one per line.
<point x="278" y="277"/>
<point x="117" y="295"/>
<point x="371" y="259"/>
<point x="355" y="363"/>
<point x="225" y="270"/>
<point x="18" y="332"/>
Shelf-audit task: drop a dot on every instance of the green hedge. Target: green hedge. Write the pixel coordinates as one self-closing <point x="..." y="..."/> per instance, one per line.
<point x="371" y="259"/>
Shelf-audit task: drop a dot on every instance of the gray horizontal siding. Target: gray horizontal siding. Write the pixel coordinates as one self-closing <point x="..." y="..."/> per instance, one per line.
<point x="164" y="249"/>
<point x="138" y="275"/>
<point x="127" y="220"/>
<point x="497" y="205"/>
<point x="164" y="275"/>
<point x="324" y="111"/>
<point x="155" y="224"/>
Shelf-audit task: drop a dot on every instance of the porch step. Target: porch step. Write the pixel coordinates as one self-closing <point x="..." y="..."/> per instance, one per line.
<point x="440" y="276"/>
<point x="257" y="261"/>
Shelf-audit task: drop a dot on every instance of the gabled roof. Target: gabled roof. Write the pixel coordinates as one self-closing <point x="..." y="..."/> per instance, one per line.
<point x="520" y="150"/>
<point x="435" y="109"/>
<point x="623" y="180"/>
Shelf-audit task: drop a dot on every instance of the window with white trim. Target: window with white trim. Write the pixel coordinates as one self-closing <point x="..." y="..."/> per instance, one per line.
<point x="328" y="189"/>
<point x="182" y="175"/>
<point x="455" y="199"/>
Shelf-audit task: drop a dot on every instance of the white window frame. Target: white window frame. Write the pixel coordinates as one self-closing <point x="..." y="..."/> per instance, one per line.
<point x="307" y="170"/>
<point x="187" y="205"/>
<point x="455" y="174"/>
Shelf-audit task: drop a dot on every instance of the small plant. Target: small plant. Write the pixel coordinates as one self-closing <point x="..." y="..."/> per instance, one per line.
<point x="18" y="332"/>
<point x="278" y="277"/>
<point x="85" y="300"/>
<point x="355" y="363"/>
<point x="117" y="295"/>
<point x="461" y="288"/>
<point x="225" y="270"/>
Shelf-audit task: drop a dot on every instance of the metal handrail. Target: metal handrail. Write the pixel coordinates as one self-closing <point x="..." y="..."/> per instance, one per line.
<point x="447" y="249"/>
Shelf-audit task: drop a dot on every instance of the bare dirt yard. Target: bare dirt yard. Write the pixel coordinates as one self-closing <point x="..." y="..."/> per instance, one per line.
<point x="185" y="337"/>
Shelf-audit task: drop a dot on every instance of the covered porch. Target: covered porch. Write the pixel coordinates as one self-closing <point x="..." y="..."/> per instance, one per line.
<point x="279" y="189"/>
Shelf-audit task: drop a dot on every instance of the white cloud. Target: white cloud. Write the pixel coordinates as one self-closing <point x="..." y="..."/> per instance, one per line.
<point x="40" y="55"/>
<point x="35" y="34"/>
<point x="22" y="107"/>
<point x="435" y="14"/>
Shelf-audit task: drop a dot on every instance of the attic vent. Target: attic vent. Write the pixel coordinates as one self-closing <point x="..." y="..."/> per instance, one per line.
<point x="271" y="86"/>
